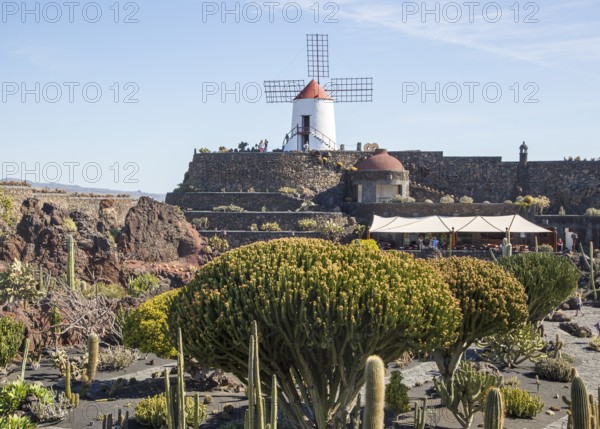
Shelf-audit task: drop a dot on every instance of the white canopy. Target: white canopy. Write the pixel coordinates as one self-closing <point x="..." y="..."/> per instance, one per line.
<point x="439" y="224"/>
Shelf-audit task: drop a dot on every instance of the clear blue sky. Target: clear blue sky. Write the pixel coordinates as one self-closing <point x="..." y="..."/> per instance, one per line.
<point x="178" y="48"/>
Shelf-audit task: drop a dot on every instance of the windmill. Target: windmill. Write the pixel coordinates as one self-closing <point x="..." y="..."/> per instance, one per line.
<point x="313" y="118"/>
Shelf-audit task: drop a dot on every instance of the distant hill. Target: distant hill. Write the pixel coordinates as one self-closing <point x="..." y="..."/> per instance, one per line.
<point x="86" y="190"/>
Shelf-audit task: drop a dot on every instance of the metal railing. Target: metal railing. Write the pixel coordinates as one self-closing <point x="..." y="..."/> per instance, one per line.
<point x="308" y="131"/>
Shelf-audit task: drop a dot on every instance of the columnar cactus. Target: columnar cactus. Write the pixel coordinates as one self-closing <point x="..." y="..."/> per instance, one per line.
<point x="506" y="248"/>
<point x="590" y="265"/>
<point x="68" y="392"/>
<point x="374" y="393"/>
<point x="92" y="363"/>
<point x="420" y="413"/>
<point x="25" y="356"/>
<point x="580" y="404"/>
<point x="93" y="349"/>
<point x="176" y="415"/>
<point x="494" y="410"/>
<point x="71" y="262"/>
<point x="255" y="415"/>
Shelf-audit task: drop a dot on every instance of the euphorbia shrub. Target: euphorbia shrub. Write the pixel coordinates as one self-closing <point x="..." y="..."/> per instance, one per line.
<point x="322" y="309"/>
<point x="548" y="280"/>
<point x="146" y="327"/>
<point x="491" y="300"/>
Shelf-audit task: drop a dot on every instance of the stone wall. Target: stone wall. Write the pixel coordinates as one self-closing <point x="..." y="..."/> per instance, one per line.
<point x="575" y="185"/>
<point x="90" y="205"/>
<point x="288" y="221"/>
<point x="364" y="212"/>
<point x="252" y="201"/>
<point x="241" y="238"/>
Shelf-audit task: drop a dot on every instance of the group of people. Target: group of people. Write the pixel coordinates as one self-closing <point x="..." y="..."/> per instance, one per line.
<point x="434" y="243"/>
<point x="263" y="146"/>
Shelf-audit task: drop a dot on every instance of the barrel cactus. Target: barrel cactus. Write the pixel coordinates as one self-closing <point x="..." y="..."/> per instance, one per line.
<point x="322" y="309"/>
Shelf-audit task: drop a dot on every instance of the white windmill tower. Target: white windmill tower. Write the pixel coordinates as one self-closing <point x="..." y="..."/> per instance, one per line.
<point x="313" y="116"/>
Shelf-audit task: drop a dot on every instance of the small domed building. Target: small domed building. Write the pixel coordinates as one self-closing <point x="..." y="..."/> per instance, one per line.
<point x="379" y="178"/>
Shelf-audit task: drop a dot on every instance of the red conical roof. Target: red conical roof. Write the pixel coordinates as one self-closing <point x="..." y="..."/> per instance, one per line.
<point x="313" y="90"/>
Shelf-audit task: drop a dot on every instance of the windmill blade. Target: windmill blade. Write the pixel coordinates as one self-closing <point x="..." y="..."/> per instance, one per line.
<point x="317" y="56"/>
<point x="351" y="89"/>
<point x="283" y="91"/>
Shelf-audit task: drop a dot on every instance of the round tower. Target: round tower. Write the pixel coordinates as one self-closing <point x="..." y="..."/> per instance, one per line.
<point x="313" y="120"/>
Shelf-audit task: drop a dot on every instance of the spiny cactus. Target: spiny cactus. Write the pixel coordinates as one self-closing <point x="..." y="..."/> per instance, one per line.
<point x="420" y="413"/>
<point x="583" y="410"/>
<point x="71" y="262"/>
<point x="374" y="393"/>
<point x="558" y="345"/>
<point x="255" y="415"/>
<point x="121" y="422"/>
<point x="68" y="392"/>
<point x="514" y="347"/>
<point x="580" y="404"/>
<point x="494" y="410"/>
<point x="355" y="416"/>
<point x="25" y="355"/>
<point x="506" y="248"/>
<point x="92" y="363"/>
<point x="176" y="415"/>
<point x="590" y="265"/>
<point x="464" y="395"/>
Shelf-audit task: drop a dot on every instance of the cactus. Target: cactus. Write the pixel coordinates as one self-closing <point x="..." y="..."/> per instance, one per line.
<point x="356" y="414"/>
<point x="506" y="248"/>
<point x="583" y="411"/>
<point x="590" y="265"/>
<point x="558" y="345"/>
<point x="24" y="362"/>
<point x="255" y="415"/>
<point x="121" y="421"/>
<point x="494" y="410"/>
<point x="68" y="392"/>
<point x="464" y="395"/>
<point x="70" y="262"/>
<point x="420" y="413"/>
<point x="580" y="406"/>
<point x="74" y="400"/>
<point x="374" y="394"/>
<point x="176" y="397"/>
<point x="92" y="364"/>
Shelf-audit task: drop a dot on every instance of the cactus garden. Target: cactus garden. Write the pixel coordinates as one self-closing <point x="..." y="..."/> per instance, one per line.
<point x="303" y="333"/>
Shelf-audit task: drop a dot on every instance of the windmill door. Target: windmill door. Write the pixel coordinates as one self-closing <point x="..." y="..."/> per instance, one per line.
<point x="305" y="129"/>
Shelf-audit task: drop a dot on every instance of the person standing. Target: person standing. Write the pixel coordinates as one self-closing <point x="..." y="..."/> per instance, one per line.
<point x="574" y="237"/>
<point x="598" y="327"/>
<point x="578" y="304"/>
<point x="266" y="145"/>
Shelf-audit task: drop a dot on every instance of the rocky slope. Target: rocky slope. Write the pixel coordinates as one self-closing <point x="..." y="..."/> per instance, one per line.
<point x="155" y="237"/>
